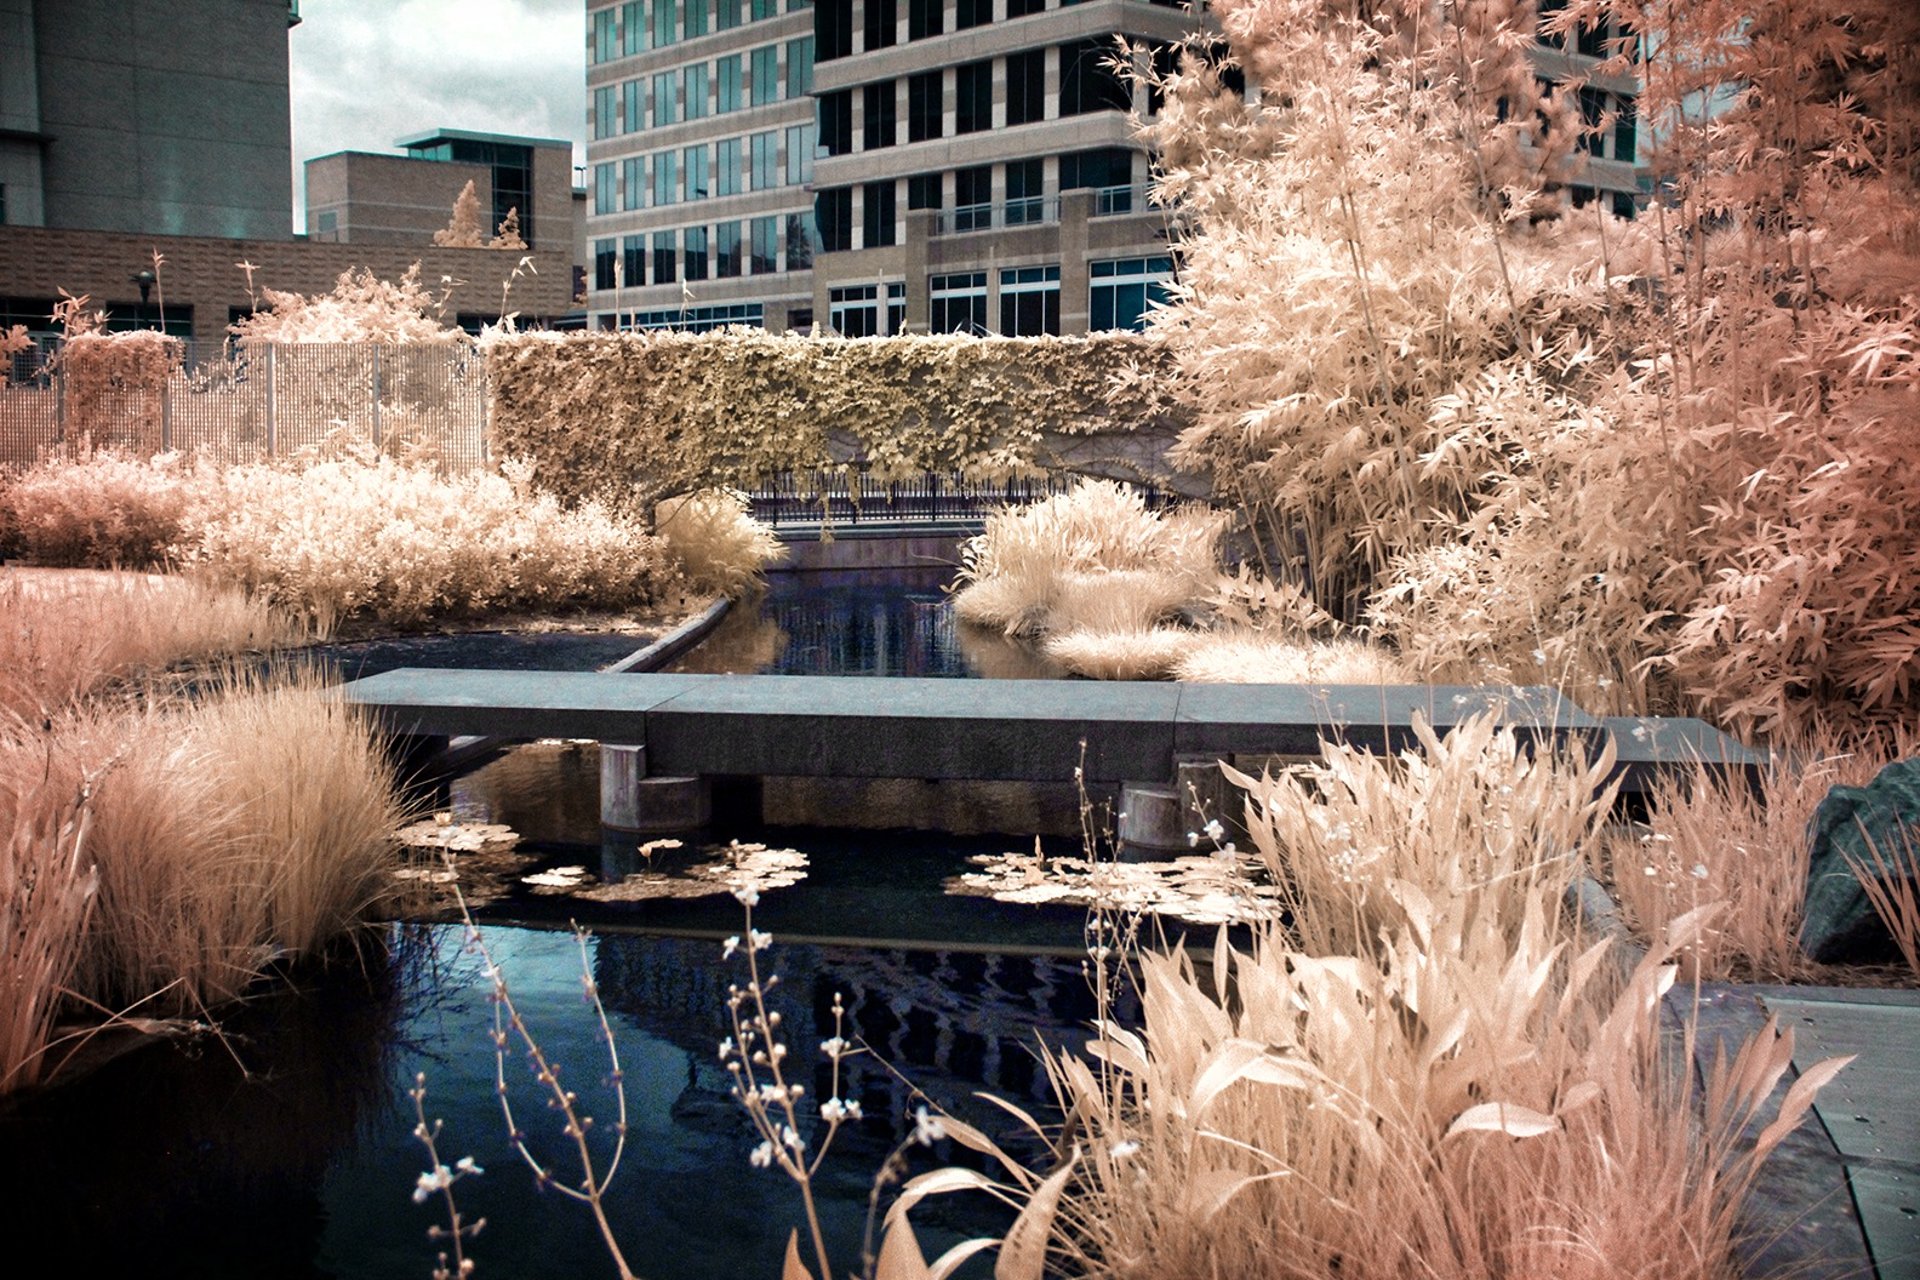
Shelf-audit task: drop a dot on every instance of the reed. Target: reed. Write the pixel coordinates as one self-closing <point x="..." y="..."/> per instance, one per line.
<point x="1433" y="1074"/>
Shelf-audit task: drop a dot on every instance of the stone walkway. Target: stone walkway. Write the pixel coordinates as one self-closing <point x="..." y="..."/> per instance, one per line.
<point x="1840" y="1200"/>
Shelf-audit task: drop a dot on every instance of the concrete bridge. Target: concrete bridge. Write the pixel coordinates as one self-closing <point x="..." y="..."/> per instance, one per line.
<point x="664" y="734"/>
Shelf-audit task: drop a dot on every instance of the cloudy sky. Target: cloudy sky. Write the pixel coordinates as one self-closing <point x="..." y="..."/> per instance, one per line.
<point x="368" y="71"/>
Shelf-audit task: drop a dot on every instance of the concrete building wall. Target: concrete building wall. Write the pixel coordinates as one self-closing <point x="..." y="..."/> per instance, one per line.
<point x="200" y="278"/>
<point x="169" y="118"/>
<point x="356" y="197"/>
<point x="20" y="136"/>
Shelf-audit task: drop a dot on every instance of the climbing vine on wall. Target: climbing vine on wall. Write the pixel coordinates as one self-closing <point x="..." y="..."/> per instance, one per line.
<point x="645" y="415"/>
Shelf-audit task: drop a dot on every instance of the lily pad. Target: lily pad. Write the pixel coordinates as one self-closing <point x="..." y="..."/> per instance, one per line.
<point x="1223" y="888"/>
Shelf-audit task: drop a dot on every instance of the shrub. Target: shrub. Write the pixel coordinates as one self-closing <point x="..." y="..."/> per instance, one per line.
<point x="378" y="539"/>
<point x="641" y="416"/>
<point x="105" y="509"/>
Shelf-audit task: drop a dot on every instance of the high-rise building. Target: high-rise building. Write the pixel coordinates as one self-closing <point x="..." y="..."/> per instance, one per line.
<point x="887" y="166"/>
<point x="875" y="166"/>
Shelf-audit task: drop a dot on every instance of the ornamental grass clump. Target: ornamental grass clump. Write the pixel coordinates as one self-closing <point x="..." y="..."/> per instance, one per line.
<point x="1094" y="576"/>
<point x="47" y="890"/>
<point x="715" y="540"/>
<point x="65" y="633"/>
<point x="246" y="826"/>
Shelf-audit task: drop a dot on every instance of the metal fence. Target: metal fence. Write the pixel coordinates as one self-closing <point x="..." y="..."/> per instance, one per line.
<point x="789" y="500"/>
<point x="420" y="399"/>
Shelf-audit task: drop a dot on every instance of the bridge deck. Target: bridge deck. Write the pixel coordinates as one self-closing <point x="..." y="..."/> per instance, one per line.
<point x="935" y="728"/>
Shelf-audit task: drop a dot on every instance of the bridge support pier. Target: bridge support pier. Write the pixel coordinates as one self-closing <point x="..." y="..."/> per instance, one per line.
<point x="1160" y="817"/>
<point x="632" y="801"/>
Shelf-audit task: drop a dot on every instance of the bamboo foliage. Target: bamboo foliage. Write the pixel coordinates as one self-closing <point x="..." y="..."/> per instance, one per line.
<point x="1667" y="463"/>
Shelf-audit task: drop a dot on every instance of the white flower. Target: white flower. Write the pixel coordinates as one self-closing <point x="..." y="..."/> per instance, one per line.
<point x="927" y="1129"/>
<point x="1121" y="1150"/>
<point x="730" y="946"/>
<point x="466" y="1165"/>
<point x="835" y="1047"/>
<point x="1214" y="829"/>
<point x="833" y="1111"/>
<point x="762" y="1156"/>
<point x="747" y="895"/>
<point x="435" y="1179"/>
<point x="726" y="1048"/>
<point x="1699" y="871"/>
<point x="1193" y="839"/>
<point x="792" y="1139"/>
<point x="758" y="941"/>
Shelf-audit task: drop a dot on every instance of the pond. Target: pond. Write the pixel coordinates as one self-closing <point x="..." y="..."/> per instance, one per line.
<point x="284" y="1146"/>
<point x="891" y="622"/>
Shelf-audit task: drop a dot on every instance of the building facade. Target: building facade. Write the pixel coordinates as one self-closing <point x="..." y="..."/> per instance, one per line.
<point x="360" y="197"/>
<point x="887" y="166"/>
<point x="164" y="118"/>
<point x="870" y="166"/>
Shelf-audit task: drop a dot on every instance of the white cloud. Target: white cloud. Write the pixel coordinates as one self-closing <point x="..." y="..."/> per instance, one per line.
<point x="365" y="73"/>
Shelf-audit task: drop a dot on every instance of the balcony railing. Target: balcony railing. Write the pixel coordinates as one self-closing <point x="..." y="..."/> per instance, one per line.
<point x="1029" y="211"/>
<point x="1110" y="202"/>
<point x="1023" y="211"/>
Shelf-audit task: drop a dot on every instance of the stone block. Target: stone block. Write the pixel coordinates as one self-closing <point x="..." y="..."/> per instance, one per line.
<point x="1840" y="922"/>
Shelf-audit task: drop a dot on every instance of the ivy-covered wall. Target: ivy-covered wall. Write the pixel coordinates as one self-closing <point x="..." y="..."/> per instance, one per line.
<point x="640" y="416"/>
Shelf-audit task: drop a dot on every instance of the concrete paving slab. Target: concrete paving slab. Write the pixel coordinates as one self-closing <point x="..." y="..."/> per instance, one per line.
<point x="1889" y="1204"/>
<point x="1291" y="719"/>
<point x="815" y="726"/>
<point x="1645" y="745"/>
<point x="515" y="704"/>
<point x="1873" y="1108"/>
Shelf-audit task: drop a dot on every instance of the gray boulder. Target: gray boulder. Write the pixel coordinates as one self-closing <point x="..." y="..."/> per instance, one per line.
<point x="1841" y="924"/>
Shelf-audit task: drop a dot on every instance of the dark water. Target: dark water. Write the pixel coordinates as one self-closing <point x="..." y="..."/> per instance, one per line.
<point x="894" y="622"/>
<point x="285" y="1148"/>
<point x="287" y="1151"/>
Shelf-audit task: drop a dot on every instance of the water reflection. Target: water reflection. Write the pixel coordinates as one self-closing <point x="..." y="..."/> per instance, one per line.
<point x="893" y="622"/>
<point x="289" y="1151"/>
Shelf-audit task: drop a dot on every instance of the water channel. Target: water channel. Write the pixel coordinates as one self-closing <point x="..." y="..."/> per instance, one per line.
<point x="285" y="1146"/>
